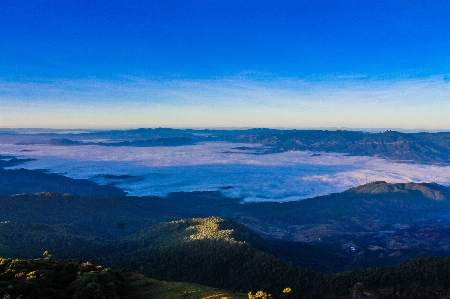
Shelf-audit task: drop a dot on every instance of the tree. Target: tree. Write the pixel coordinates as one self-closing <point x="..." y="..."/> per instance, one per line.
<point x="47" y="254"/>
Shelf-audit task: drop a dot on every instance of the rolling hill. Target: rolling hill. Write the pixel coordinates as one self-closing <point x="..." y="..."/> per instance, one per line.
<point x="219" y="253"/>
<point x="210" y="251"/>
<point x="371" y="225"/>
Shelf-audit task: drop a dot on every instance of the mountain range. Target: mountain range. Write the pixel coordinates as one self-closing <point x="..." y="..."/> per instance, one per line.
<point x="377" y="240"/>
<point x="266" y="246"/>
<point x="423" y="147"/>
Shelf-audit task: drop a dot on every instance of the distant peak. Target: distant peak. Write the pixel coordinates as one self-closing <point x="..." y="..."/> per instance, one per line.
<point x="429" y="190"/>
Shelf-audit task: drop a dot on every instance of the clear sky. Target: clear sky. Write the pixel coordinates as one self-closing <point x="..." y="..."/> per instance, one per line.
<point x="234" y="63"/>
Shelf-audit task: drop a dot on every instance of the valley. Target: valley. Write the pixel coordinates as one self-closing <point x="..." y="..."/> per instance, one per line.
<point x="321" y="247"/>
<point x="421" y="147"/>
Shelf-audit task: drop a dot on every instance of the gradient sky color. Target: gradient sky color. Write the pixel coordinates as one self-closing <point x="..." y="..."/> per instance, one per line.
<point x="294" y="64"/>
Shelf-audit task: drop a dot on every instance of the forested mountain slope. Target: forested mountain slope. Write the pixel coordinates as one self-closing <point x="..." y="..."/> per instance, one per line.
<point x="371" y="225"/>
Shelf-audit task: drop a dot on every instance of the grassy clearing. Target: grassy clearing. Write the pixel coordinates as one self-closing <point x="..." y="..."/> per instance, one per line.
<point x="145" y="287"/>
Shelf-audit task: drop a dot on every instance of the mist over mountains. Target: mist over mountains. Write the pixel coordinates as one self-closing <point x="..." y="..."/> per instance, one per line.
<point x="241" y="216"/>
<point x="272" y="165"/>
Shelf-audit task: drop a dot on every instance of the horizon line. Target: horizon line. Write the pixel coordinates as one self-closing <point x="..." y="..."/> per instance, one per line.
<point x="107" y="128"/>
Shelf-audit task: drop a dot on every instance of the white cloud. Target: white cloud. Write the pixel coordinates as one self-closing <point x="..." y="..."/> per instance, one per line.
<point x="275" y="177"/>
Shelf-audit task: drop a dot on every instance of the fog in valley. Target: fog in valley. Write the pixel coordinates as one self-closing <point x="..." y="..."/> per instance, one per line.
<point x="237" y="170"/>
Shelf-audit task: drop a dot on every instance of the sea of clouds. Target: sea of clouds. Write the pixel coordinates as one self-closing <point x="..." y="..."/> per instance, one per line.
<point x="220" y="166"/>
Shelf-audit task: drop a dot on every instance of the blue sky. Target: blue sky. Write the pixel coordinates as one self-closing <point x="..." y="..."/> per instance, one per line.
<point x="295" y="64"/>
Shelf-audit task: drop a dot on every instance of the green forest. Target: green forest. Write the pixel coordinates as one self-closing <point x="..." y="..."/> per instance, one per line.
<point x="207" y="251"/>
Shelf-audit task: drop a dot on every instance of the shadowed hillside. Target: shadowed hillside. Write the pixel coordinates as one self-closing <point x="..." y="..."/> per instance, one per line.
<point x="213" y="252"/>
<point x="206" y="251"/>
<point x="29" y="240"/>
<point x="72" y="279"/>
<point x="17" y="181"/>
<point x="372" y="225"/>
<point x="210" y="251"/>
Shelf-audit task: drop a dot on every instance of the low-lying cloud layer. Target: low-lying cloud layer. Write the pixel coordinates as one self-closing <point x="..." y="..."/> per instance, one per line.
<point x="218" y="166"/>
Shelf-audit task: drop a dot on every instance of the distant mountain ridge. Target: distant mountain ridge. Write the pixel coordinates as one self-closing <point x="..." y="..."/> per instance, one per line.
<point x="161" y="141"/>
<point x="428" y="190"/>
<point x="424" y="147"/>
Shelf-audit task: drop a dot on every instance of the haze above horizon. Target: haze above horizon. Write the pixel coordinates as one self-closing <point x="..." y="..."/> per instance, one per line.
<point x="290" y="64"/>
